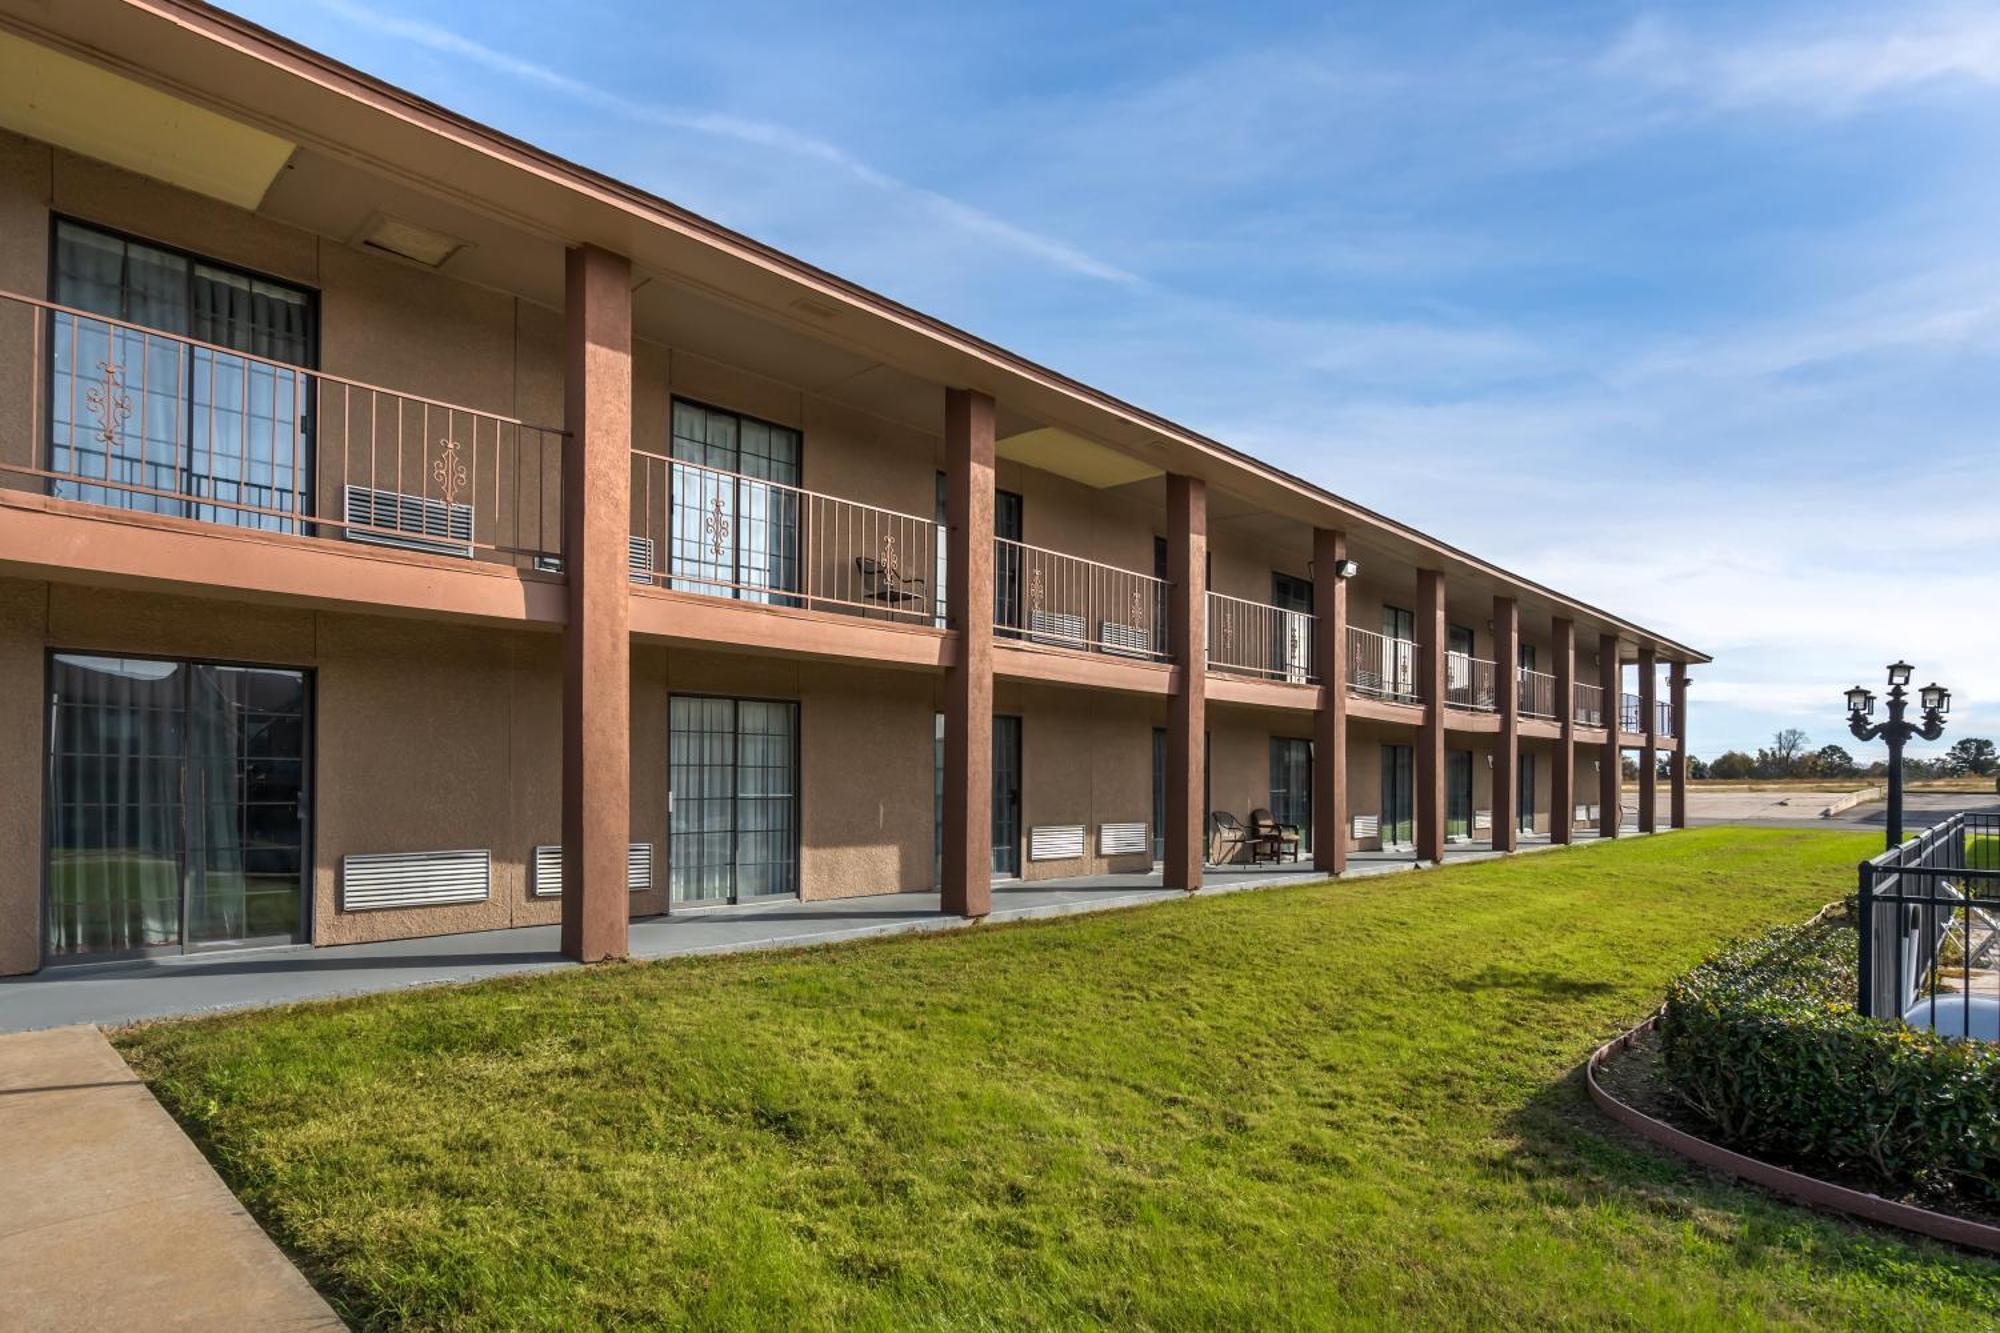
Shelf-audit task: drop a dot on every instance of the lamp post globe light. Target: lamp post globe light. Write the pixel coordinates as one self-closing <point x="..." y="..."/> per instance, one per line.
<point x="1895" y="730"/>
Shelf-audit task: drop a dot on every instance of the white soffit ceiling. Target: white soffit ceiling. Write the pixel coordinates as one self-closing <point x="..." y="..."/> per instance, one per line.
<point x="1072" y="456"/>
<point x="73" y="104"/>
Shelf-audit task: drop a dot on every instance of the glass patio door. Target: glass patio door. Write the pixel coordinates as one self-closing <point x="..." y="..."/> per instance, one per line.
<point x="1524" y="796"/>
<point x="1291" y="785"/>
<point x="735" y="506"/>
<point x="1006" y="795"/>
<point x="732" y="799"/>
<point x="1008" y="574"/>
<point x="177" y="799"/>
<point x="1458" y="795"/>
<point x="1399" y="796"/>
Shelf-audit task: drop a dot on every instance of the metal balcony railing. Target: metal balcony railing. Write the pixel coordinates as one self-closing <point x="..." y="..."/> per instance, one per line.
<point x="1663" y="717"/>
<point x="1628" y="712"/>
<point x="1381" y="667"/>
<point x="1046" y="597"/>
<point x="1257" y="639"/>
<point x="135" y="419"/>
<point x="1469" y="683"/>
<point x="1537" y="694"/>
<point x="1589" y="704"/>
<point x="725" y="534"/>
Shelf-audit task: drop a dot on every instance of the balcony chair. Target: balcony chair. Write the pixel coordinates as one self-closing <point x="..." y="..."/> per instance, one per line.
<point x="1284" y="839"/>
<point x="1230" y="834"/>
<point x="892" y="589"/>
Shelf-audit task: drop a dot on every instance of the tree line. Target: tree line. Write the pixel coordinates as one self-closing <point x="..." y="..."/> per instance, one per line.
<point x="1791" y="755"/>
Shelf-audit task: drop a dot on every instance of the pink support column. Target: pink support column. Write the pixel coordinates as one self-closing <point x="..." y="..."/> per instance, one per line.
<point x="1649" y="755"/>
<point x="1562" y="781"/>
<point x="1431" y="646"/>
<point x="968" y="709"/>
<point x="1507" y="745"/>
<point x="1677" y="706"/>
<point x="597" y="648"/>
<point x="1610" y="763"/>
<point x="1330" y="721"/>
<point x="1187" y="710"/>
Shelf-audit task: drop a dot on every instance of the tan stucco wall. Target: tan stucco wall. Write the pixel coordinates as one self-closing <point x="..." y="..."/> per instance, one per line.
<point x="1086" y="758"/>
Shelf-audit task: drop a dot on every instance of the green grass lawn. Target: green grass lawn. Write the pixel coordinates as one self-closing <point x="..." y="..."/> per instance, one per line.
<point x="1349" y="1105"/>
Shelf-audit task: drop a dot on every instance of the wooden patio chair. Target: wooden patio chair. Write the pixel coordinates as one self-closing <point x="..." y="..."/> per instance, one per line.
<point x="895" y="590"/>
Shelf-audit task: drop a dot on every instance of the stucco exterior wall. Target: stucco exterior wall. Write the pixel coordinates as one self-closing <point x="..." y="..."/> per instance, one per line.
<point x="1086" y="758"/>
<point x="23" y="627"/>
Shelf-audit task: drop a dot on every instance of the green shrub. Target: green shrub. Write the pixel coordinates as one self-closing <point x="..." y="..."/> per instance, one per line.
<point x="1762" y="1043"/>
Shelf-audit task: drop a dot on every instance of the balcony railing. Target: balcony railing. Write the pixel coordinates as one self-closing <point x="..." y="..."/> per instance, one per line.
<point x="701" y="529"/>
<point x="1663" y="717"/>
<point x="1046" y="597"/>
<point x="1381" y="667"/>
<point x="1260" y="640"/>
<point x="1538" y="694"/>
<point x="1469" y="683"/>
<point x="1589" y="705"/>
<point x="1628" y="712"/>
<point x="131" y="418"/>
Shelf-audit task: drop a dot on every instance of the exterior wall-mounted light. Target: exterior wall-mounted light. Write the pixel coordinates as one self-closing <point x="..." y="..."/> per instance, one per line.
<point x="1347" y="569"/>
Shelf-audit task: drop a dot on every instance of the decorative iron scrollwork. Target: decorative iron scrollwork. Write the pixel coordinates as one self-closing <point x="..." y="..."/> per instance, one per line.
<point x="111" y="405"/>
<point x="449" y="470"/>
<point x="716" y="525"/>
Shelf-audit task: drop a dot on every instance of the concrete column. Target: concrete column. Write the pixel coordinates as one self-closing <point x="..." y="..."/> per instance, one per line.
<point x="968" y="693"/>
<point x="1330" y="722"/>
<point x="1432" y="642"/>
<point x="1610" y="773"/>
<point x="1562" y="781"/>
<point x="1649" y="756"/>
<point x="1187" y="710"/>
<point x="1677" y="707"/>
<point x="1507" y="745"/>
<point x="597" y="644"/>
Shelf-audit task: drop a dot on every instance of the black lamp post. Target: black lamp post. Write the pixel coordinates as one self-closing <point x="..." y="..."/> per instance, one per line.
<point x="1894" y="732"/>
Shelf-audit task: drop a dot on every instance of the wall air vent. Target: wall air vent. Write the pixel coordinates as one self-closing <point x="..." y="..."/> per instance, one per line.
<point x="638" y="555"/>
<point x="1368" y="826"/>
<point x="412" y="522"/>
<point x="1055" y="842"/>
<point x="1122" y="840"/>
<point x="370" y="881"/>
<point x="548" y="869"/>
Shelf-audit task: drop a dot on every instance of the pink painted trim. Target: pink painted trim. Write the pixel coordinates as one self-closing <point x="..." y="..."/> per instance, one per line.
<point x="1806" y="1189"/>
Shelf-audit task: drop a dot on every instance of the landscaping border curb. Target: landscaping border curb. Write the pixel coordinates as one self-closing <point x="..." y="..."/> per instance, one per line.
<point x="1849" y="801"/>
<point x="1806" y="1189"/>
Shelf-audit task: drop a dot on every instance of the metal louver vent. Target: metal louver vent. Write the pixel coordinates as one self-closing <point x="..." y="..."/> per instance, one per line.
<point x="413" y="522"/>
<point x="638" y="557"/>
<point x="1368" y="826"/>
<point x="1482" y="819"/>
<point x="1055" y="842"/>
<point x="548" y="869"/>
<point x="373" y="880"/>
<point x="1122" y="839"/>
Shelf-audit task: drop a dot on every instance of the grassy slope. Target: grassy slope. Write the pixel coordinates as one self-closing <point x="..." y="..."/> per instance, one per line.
<point x="1349" y="1104"/>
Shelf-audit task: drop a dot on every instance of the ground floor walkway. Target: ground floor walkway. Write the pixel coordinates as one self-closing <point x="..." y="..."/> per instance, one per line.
<point x="116" y="993"/>
<point x="111" y="1218"/>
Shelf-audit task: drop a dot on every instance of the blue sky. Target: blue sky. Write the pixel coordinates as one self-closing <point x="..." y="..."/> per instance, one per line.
<point x="1659" y="304"/>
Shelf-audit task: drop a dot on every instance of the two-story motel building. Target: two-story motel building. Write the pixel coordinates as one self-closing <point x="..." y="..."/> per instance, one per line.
<point x="404" y="531"/>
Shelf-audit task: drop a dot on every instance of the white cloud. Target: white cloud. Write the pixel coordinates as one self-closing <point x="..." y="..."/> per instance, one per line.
<point x="1821" y="68"/>
<point x="762" y="134"/>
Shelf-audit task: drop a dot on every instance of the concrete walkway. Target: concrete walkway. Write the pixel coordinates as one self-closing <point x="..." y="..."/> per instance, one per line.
<point x="111" y="1219"/>
<point x="116" y="993"/>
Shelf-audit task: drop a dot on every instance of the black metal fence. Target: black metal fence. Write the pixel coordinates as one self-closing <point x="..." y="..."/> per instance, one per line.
<point x="1929" y="915"/>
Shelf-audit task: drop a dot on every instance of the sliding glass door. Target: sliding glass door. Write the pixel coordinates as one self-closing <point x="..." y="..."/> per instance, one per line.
<point x="1006" y="796"/>
<point x="733" y="800"/>
<point x="1291" y="785"/>
<point x="1399" y="796"/>
<point x="166" y="426"/>
<point x="1524" y="796"/>
<point x="736" y="509"/>
<point x="1458" y="795"/>
<point x="178" y="795"/>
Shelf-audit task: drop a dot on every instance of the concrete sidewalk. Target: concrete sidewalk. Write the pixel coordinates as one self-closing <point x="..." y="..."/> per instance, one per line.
<point x="116" y="993"/>
<point x="111" y="1219"/>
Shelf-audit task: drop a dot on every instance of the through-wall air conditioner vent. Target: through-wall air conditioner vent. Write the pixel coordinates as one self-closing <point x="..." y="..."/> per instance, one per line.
<point x="412" y="522"/>
<point x="1367" y="826"/>
<point x="1122" y="840"/>
<point x="638" y="558"/>
<point x="549" y="873"/>
<point x="1055" y="842"/>
<point x="1482" y="819"/>
<point x="370" y="881"/>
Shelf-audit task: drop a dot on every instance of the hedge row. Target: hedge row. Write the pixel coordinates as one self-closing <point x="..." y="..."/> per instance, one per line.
<point x="1762" y="1043"/>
